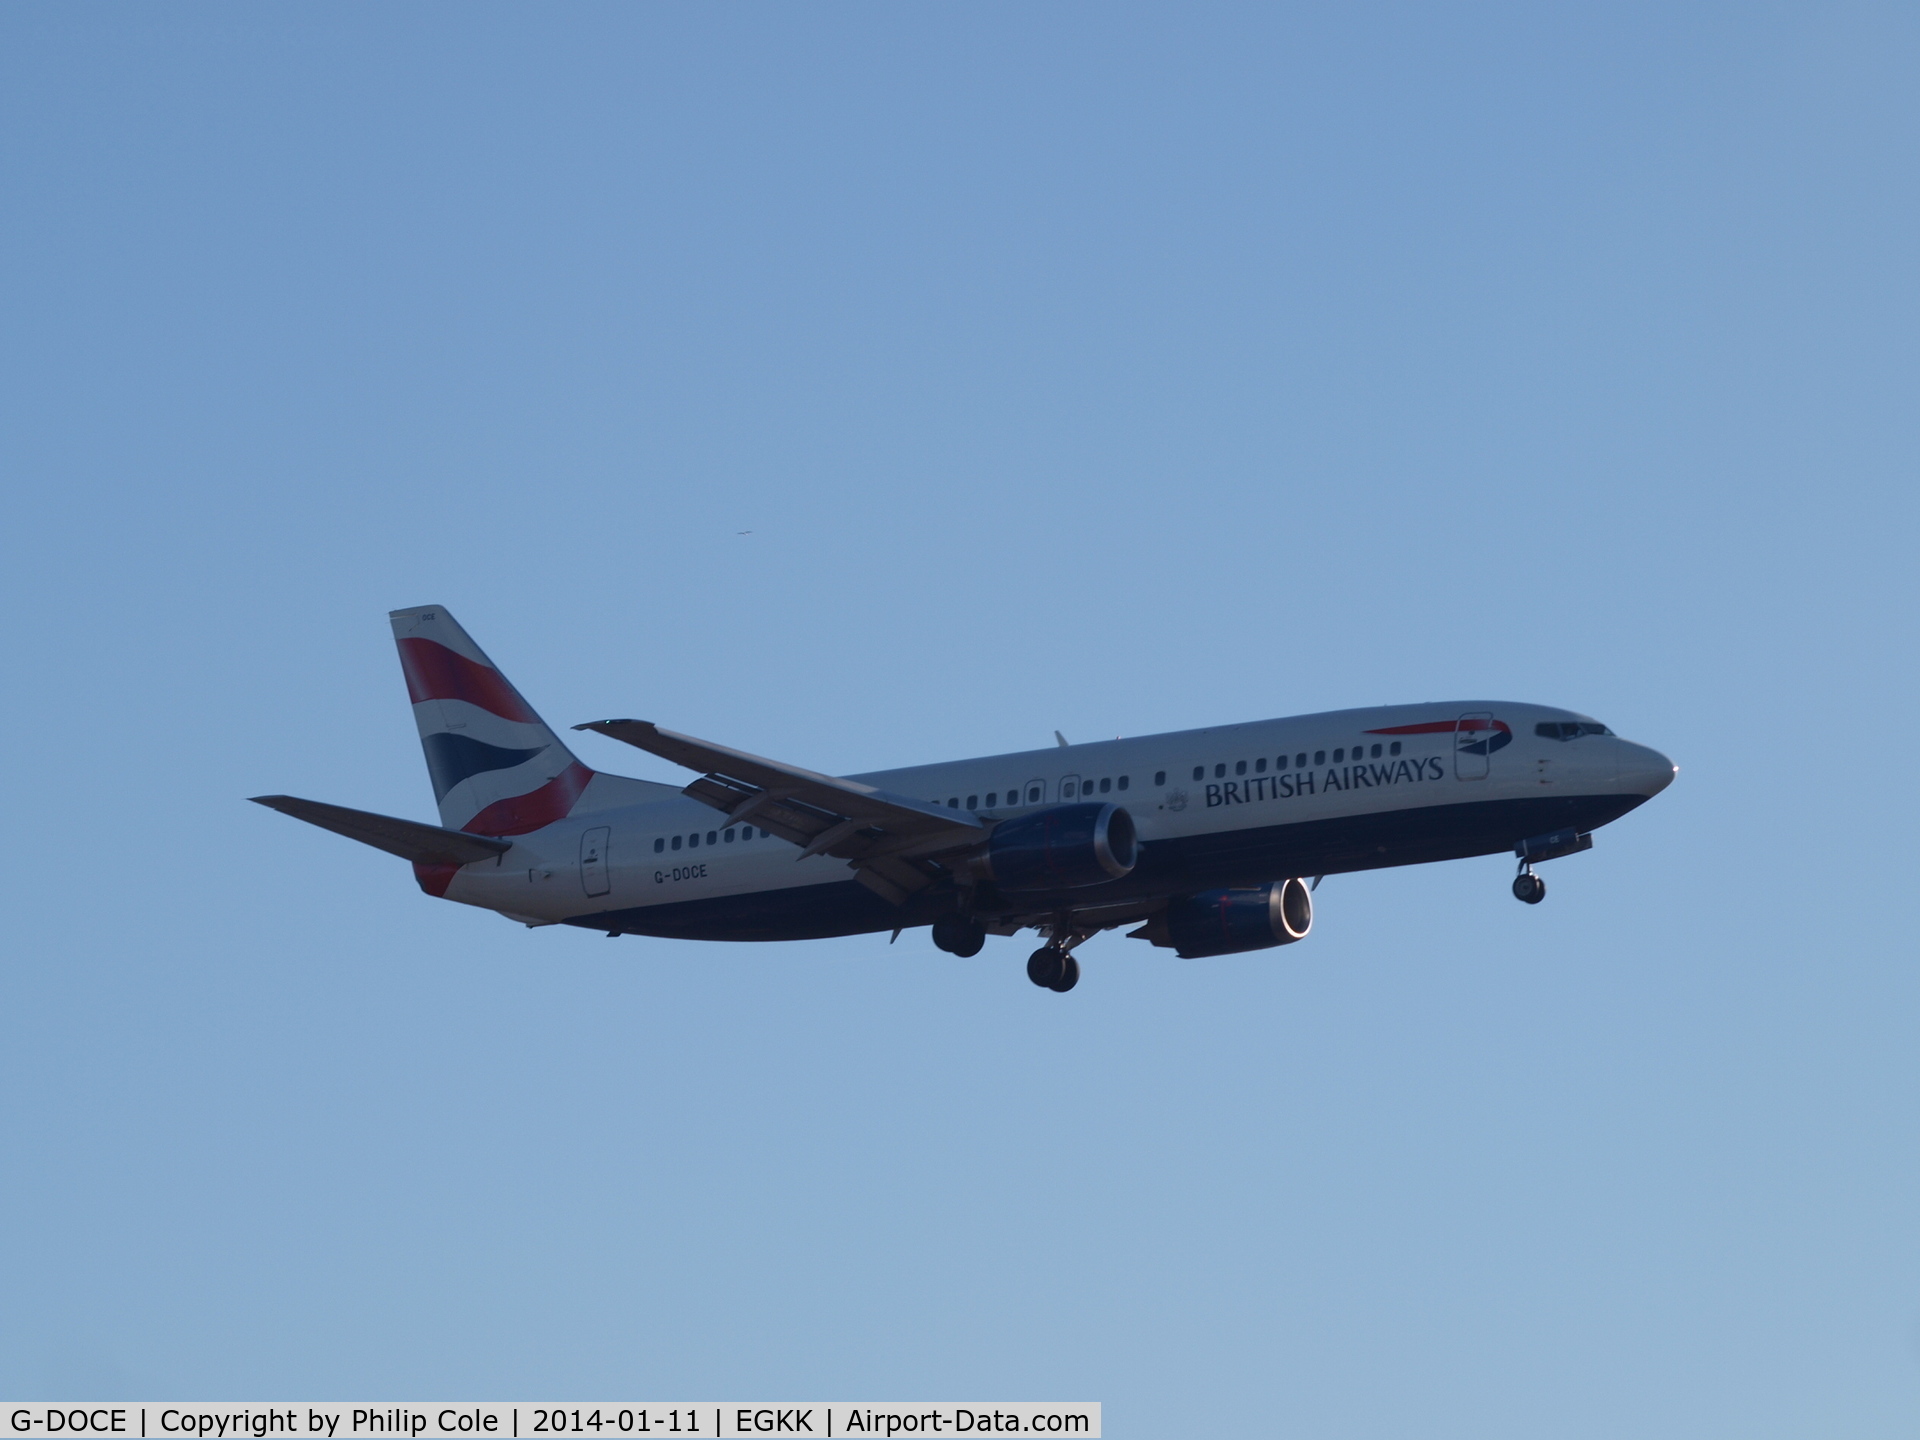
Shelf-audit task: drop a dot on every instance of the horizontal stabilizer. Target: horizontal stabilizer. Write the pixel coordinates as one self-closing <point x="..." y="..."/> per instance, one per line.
<point x="409" y="839"/>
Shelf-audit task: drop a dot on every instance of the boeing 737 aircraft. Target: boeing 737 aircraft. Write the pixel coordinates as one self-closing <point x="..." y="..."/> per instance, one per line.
<point x="1201" y="838"/>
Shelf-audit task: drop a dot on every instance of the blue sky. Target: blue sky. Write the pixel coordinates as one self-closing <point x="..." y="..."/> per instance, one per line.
<point x="1107" y="368"/>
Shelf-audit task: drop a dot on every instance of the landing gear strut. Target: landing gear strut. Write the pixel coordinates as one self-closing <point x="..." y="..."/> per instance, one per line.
<point x="1529" y="887"/>
<point x="958" y="936"/>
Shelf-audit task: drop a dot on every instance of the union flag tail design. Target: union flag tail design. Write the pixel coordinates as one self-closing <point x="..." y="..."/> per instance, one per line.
<point x="497" y="769"/>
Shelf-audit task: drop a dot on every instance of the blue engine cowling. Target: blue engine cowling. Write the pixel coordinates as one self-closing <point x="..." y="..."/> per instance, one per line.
<point x="1226" y="922"/>
<point x="1065" y="848"/>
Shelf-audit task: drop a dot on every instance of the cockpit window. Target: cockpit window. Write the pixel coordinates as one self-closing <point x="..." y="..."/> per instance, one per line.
<point x="1569" y="729"/>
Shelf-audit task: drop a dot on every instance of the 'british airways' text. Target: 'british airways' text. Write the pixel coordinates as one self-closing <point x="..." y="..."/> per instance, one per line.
<point x="1251" y="788"/>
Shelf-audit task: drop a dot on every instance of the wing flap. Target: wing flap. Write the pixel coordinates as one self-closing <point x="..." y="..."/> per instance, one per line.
<point x="813" y="802"/>
<point x="887" y="838"/>
<point x="844" y="798"/>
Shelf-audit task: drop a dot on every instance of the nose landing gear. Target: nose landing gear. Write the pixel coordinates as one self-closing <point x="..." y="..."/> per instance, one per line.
<point x="1528" y="887"/>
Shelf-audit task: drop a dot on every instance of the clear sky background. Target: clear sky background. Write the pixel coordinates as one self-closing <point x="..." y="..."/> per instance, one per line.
<point x="1109" y="368"/>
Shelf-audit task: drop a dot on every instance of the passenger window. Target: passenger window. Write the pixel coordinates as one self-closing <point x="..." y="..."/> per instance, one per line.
<point x="1105" y="784"/>
<point x="1281" y="763"/>
<point x="1394" y="749"/>
<point x="1338" y="756"/>
<point x="993" y="798"/>
<point x="1374" y="753"/>
<point x="1034" y="792"/>
<point x="1123" y="782"/>
<point x="713" y="837"/>
<point x="973" y="802"/>
<point x="1319" y="757"/>
<point x="953" y="802"/>
<point x="676" y="842"/>
<point x="1239" y="767"/>
<point x="1066" y="789"/>
<point x="659" y="844"/>
<point x="1260" y="765"/>
<point x="1300" y="760"/>
<point x="1199" y="772"/>
<point x="1220" y="771"/>
<point x="1159" y="778"/>
<point x="728" y="836"/>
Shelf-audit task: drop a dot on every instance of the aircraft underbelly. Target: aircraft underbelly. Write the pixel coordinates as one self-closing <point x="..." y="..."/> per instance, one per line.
<point x="1250" y="856"/>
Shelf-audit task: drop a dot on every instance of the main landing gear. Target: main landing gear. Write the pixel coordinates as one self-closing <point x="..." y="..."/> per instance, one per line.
<point x="1052" y="967"/>
<point x="1529" y="887"/>
<point x="958" y="936"/>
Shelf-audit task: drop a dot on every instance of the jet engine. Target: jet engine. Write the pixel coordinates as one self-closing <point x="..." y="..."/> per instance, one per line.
<point x="1064" y="848"/>
<point x="1227" y="922"/>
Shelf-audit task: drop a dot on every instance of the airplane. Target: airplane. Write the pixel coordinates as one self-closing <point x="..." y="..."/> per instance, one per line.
<point x="1204" y="839"/>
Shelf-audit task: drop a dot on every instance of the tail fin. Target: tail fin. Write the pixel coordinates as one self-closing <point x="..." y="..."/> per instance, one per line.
<point x="497" y="769"/>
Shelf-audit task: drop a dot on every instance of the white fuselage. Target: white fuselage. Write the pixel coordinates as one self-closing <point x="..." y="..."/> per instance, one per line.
<point x="1188" y="792"/>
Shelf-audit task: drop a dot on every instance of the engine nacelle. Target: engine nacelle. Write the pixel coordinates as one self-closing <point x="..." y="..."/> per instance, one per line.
<point x="1065" y="848"/>
<point x="1226" y="922"/>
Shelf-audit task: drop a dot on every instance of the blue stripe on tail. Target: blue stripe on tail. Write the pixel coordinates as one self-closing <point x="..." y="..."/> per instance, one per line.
<point x="453" y="758"/>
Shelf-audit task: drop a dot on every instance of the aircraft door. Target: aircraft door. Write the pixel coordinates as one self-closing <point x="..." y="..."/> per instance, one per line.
<point x="1471" y="748"/>
<point x="593" y="860"/>
<point x="1070" y="788"/>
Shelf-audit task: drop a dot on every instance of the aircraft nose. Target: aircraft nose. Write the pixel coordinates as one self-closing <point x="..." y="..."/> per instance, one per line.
<point x="1644" y="770"/>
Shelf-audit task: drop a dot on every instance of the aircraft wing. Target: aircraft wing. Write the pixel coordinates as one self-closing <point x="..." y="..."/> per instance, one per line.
<point x="409" y="839"/>
<point x="888" y="838"/>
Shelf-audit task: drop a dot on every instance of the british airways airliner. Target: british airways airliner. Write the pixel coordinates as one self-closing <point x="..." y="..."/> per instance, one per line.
<point x="1204" y="839"/>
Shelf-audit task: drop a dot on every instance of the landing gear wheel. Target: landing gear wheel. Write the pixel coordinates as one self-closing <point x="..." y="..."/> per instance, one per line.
<point x="1047" y="967"/>
<point x="1529" y="888"/>
<point x="1069" y="975"/>
<point x="958" y="937"/>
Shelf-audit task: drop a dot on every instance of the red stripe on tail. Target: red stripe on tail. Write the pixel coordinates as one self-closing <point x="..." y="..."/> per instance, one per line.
<point x="536" y="809"/>
<point x="436" y="673"/>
